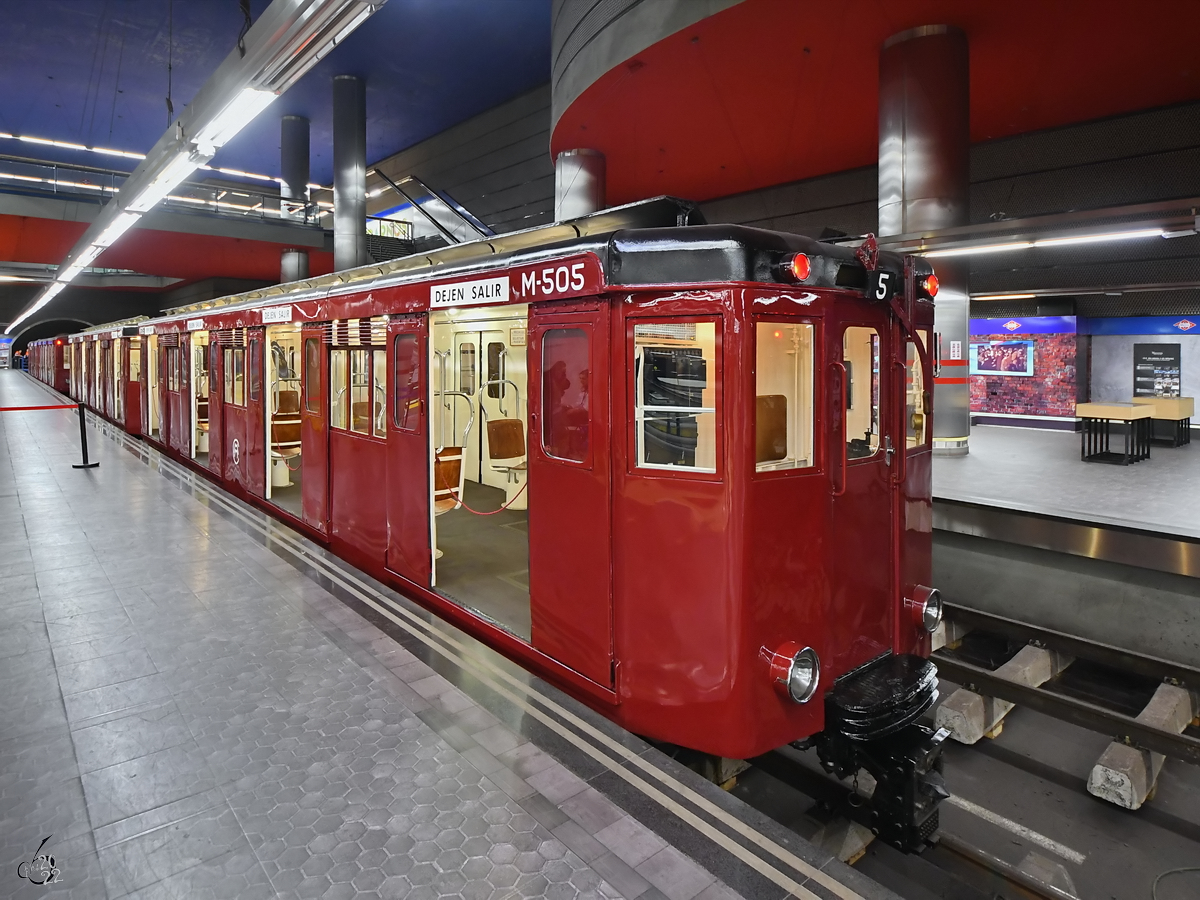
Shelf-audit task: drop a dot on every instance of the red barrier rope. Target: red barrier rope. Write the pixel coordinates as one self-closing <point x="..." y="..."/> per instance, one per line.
<point x="463" y="504"/>
<point x="20" y="408"/>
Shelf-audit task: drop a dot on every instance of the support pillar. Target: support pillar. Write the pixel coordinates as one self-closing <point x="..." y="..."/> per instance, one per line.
<point x="924" y="184"/>
<point x="293" y="165"/>
<point x="293" y="265"/>
<point x="578" y="184"/>
<point x="349" y="172"/>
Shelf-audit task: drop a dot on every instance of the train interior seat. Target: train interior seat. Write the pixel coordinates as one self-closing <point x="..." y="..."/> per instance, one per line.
<point x="506" y="447"/>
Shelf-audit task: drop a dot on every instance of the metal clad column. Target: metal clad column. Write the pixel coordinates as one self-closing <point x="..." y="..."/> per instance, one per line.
<point x="924" y="184"/>
<point x="578" y="184"/>
<point x="349" y="172"/>
<point x="293" y="165"/>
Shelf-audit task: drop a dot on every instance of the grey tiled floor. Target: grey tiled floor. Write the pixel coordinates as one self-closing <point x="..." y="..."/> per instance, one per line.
<point x="189" y="714"/>
<point x="1039" y="470"/>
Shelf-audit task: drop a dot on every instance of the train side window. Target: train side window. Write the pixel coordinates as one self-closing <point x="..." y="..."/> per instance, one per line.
<point x="495" y="369"/>
<point x="360" y="391"/>
<point x="783" y="379"/>
<point x="566" y="402"/>
<point x="675" y="407"/>
<point x="255" y="369"/>
<point x="407" y="384"/>
<point x="379" y="392"/>
<point x="312" y="375"/>
<point x="239" y="376"/>
<point x="135" y="363"/>
<point x="916" y="413"/>
<point x="466" y="367"/>
<point x="860" y="352"/>
<point x="228" y="369"/>
<point x="339" y="407"/>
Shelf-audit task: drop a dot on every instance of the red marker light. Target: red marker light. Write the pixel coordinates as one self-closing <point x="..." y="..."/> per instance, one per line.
<point x="59" y="343"/>
<point x="930" y="284"/>
<point x="800" y="267"/>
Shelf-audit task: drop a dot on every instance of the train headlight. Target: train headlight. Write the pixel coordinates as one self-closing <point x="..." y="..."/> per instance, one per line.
<point x="925" y="607"/>
<point x="796" y="671"/>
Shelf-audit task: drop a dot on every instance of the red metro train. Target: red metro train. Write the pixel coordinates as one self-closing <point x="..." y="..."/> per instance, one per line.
<point x="683" y="472"/>
<point x="50" y="363"/>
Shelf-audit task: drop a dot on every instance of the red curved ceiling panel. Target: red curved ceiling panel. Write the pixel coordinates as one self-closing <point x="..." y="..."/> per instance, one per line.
<point x="771" y="91"/>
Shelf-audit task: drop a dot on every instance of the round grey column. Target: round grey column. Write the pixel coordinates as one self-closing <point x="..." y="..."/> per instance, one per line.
<point x="349" y="172"/>
<point x="578" y="184"/>
<point x="924" y="184"/>
<point x="293" y="165"/>
<point x="293" y="265"/>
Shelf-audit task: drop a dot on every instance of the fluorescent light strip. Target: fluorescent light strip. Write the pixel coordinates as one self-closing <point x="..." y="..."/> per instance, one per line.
<point x="1050" y="242"/>
<point x="1003" y="296"/>
<point x="239" y="113"/>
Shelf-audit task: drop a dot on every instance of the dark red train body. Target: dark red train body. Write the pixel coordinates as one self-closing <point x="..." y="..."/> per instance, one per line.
<point x="49" y="362"/>
<point x="716" y="440"/>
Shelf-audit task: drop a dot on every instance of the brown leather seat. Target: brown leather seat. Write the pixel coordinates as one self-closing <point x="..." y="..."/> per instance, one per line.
<point x="770" y="428"/>
<point x="506" y="441"/>
<point x="447" y="479"/>
<point x="289" y="403"/>
<point x="360" y="416"/>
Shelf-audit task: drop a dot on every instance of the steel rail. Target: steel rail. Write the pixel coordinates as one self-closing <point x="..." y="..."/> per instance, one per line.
<point x="1123" y="728"/>
<point x="1080" y="648"/>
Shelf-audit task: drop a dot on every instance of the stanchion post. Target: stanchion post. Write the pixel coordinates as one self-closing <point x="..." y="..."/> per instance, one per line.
<point x="83" y="441"/>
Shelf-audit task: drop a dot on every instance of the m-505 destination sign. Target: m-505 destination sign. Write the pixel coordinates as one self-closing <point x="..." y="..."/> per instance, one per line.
<point x="470" y="293"/>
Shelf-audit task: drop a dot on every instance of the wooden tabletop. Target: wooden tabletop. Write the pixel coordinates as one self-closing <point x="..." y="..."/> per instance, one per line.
<point x="1114" y="410"/>
<point x="1172" y="408"/>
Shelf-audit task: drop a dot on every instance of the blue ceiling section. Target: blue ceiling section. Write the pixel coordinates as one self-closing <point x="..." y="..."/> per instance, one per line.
<point x="94" y="72"/>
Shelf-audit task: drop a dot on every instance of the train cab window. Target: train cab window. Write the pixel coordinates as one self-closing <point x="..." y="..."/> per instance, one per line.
<point x="675" y="387"/>
<point x="860" y="354"/>
<point x="407" y="385"/>
<point x="235" y="376"/>
<point x="379" y="393"/>
<point x="312" y="375"/>
<point x="360" y="391"/>
<point x="135" y="363"/>
<point x="783" y="387"/>
<point x="566" y="410"/>
<point x="339" y="407"/>
<point x="916" y="413"/>
<point x="495" y="369"/>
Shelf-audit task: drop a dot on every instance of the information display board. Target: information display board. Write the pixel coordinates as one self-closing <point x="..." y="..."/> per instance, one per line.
<point x="1156" y="370"/>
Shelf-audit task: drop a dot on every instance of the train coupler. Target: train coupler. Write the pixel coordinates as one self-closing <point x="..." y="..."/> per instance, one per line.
<point x="871" y="724"/>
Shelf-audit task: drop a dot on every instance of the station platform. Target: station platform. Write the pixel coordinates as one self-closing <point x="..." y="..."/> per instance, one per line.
<point x="1039" y="470"/>
<point x="200" y="702"/>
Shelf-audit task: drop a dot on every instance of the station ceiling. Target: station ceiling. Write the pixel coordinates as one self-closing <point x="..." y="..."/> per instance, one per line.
<point x="94" y="72"/>
<point x="772" y="91"/>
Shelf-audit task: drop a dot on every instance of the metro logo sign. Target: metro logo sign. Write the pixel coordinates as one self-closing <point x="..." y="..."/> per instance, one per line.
<point x="1012" y="325"/>
<point x="1185" y="325"/>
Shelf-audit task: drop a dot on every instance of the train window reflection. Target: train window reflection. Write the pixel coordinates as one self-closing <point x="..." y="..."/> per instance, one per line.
<point x="360" y="391"/>
<point x="783" y="415"/>
<point x="675" y="407"/>
<point x="566" y="409"/>
<point x="340" y="404"/>
<point x="379" y="393"/>
<point x="408" y="382"/>
<point x="312" y="375"/>
<point x="860" y="353"/>
<point x="239" y="376"/>
<point x="916" y="413"/>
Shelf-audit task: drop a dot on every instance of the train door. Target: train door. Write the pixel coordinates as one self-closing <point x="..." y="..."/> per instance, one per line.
<point x="255" y="468"/>
<point x="862" y="450"/>
<point x="314" y="427"/>
<point x="358" y="438"/>
<point x="281" y="407"/>
<point x="216" y="430"/>
<point x="198" y="397"/>
<point x="153" y="390"/>
<point x="133" y="385"/>
<point x="478" y="427"/>
<point x="108" y="379"/>
<point x="408" y="510"/>
<point x="233" y="406"/>
<point x="181" y="427"/>
<point x="570" y="508"/>
<point x="118" y="364"/>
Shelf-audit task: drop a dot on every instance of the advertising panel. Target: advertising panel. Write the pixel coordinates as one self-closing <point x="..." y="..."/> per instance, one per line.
<point x="1002" y="358"/>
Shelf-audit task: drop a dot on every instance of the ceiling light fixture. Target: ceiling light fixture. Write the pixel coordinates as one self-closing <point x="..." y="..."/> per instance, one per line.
<point x="1049" y="242"/>
<point x="1003" y="296"/>
<point x="239" y="113"/>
